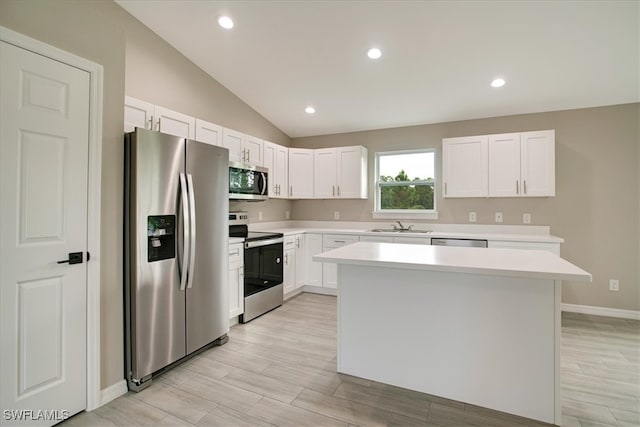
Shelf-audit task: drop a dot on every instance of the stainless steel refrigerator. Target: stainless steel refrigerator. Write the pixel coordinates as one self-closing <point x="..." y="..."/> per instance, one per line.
<point x="176" y="251"/>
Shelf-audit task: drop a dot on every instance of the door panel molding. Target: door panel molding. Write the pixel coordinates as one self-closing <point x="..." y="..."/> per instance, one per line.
<point x="94" y="194"/>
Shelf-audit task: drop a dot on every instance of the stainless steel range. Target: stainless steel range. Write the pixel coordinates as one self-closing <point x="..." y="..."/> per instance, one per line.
<point x="263" y="267"/>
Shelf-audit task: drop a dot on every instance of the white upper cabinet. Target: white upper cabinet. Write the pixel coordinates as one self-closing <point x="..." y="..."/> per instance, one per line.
<point x="300" y="173"/>
<point x="522" y="164"/>
<point x="137" y="113"/>
<point x="464" y="166"/>
<point x="340" y="172"/>
<point x="242" y="148"/>
<point x="538" y="163"/>
<point x="276" y="159"/>
<point x="234" y="141"/>
<point x="324" y="173"/>
<point x="504" y="165"/>
<point x="209" y="133"/>
<point x="253" y="150"/>
<point x="144" y="115"/>
<point x="174" y="123"/>
<point x="352" y="172"/>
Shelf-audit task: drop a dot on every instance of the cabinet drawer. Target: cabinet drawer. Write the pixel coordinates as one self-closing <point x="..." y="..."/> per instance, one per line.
<point x="236" y="253"/>
<point x="412" y="240"/>
<point x="338" y="240"/>
<point x="289" y="242"/>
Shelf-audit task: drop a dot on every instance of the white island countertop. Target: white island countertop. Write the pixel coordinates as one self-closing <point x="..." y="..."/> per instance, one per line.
<point x="483" y="261"/>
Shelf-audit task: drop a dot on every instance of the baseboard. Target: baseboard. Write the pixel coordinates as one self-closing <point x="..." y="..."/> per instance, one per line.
<point x="112" y="392"/>
<point x="601" y="311"/>
<point x="319" y="290"/>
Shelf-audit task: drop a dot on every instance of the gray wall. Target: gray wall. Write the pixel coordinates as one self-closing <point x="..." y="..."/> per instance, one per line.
<point x="140" y="64"/>
<point x="596" y="208"/>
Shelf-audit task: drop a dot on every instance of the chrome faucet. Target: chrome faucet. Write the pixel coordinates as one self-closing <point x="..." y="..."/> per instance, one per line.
<point x="402" y="227"/>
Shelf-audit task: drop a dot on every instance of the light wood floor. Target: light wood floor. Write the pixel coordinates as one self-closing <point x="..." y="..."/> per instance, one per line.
<point x="280" y="369"/>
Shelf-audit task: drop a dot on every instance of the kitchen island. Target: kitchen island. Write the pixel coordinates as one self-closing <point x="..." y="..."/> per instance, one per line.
<point x="481" y="326"/>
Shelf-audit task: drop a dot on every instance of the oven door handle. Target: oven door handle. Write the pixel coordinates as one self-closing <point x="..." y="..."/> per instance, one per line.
<point x="258" y="243"/>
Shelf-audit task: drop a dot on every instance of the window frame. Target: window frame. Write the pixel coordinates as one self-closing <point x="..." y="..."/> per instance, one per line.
<point x="404" y="213"/>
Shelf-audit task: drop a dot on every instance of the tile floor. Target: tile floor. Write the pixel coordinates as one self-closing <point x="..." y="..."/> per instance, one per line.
<point x="280" y="370"/>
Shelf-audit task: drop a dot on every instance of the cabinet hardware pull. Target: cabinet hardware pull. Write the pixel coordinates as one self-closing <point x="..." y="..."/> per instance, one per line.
<point x="159" y="118"/>
<point x="291" y="191"/>
<point x="445" y="188"/>
<point x="338" y="191"/>
<point x="236" y="252"/>
<point x="517" y="188"/>
<point x="333" y="190"/>
<point x="340" y="241"/>
<point x="525" y="186"/>
<point x="248" y="155"/>
<point x="151" y="123"/>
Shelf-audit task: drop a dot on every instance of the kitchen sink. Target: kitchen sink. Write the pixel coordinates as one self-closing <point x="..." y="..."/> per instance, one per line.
<point x="397" y="230"/>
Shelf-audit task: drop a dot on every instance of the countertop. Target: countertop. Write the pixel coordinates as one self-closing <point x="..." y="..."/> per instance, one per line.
<point x="504" y="237"/>
<point x="484" y="261"/>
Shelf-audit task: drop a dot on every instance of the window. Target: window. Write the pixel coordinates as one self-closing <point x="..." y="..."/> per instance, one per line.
<point x="405" y="185"/>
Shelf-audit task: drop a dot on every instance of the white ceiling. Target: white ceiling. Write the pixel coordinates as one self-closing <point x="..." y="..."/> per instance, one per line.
<point x="438" y="57"/>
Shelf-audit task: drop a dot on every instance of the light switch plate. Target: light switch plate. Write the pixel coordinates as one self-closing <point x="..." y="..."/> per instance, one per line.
<point x="526" y="218"/>
<point x="498" y="216"/>
<point x="336" y="214"/>
<point x="472" y="217"/>
<point x="260" y="216"/>
<point x="287" y="215"/>
<point x="614" y="285"/>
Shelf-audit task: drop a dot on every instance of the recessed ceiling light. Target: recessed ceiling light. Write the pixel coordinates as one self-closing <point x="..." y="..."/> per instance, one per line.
<point x="310" y="110"/>
<point x="374" y="53"/>
<point x="499" y="82"/>
<point x="225" y="22"/>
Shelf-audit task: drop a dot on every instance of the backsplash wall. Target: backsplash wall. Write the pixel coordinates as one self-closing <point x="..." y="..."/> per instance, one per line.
<point x="596" y="208"/>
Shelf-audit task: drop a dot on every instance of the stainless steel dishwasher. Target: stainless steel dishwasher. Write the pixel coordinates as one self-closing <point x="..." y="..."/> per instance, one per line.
<point x="467" y="243"/>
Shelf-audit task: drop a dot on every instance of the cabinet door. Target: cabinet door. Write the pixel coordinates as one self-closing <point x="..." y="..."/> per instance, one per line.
<point x="412" y="240"/>
<point x="252" y="148"/>
<point x="352" y="172"/>
<point x="209" y="133"/>
<point x="324" y="174"/>
<point x="233" y="141"/>
<point x="137" y="114"/>
<point x="236" y="280"/>
<point x="537" y="158"/>
<point x="329" y="275"/>
<point x="281" y="172"/>
<point x="300" y="173"/>
<point x="377" y="239"/>
<point x="464" y="166"/>
<point x="174" y="123"/>
<point x="301" y="270"/>
<point x="269" y="162"/>
<point x="313" y="243"/>
<point x="289" y="271"/>
<point x="276" y="159"/>
<point x="504" y="165"/>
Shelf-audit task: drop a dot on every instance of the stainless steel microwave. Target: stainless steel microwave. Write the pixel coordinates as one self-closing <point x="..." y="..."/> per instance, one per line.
<point x="248" y="182"/>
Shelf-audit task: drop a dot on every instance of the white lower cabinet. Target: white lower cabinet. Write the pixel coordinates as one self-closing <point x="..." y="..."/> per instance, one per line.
<point x="313" y="246"/>
<point x="294" y="269"/>
<point x="236" y="279"/>
<point x="301" y="265"/>
<point x="537" y="246"/>
<point x="329" y="270"/>
<point x="412" y="240"/>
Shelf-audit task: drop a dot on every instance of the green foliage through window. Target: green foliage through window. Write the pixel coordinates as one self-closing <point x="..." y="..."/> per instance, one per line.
<point x="411" y="189"/>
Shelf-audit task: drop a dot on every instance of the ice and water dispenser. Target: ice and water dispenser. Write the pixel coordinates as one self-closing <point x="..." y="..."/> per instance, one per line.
<point x="161" y="237"/>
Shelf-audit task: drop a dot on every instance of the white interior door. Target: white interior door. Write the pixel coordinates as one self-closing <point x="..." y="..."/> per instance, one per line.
<point x="44" y="116"/>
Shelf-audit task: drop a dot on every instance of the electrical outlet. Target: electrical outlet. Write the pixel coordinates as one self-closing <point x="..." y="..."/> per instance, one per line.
<point x="287" y="214"/>
<point x="336" y="214"/>
<point x="614" y="285"/>
<point x="498" y="216"/>
<point x="526" y="218"/>
<point x="260" y="216"/>
<point x="472" y="217"/>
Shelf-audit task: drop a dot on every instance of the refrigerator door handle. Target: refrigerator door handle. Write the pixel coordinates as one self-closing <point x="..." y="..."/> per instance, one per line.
<point x="186" y="232"/>
<point x="192" y="224"/>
